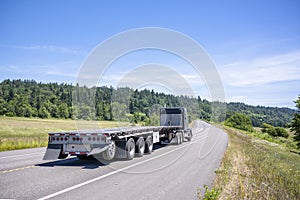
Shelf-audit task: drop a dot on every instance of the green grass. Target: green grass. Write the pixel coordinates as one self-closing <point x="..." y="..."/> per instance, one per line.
<point x="253" y="168"/>
<point x="285" y="142"/>
<point x="209" y="194"/>
<point x="20" y="133"/>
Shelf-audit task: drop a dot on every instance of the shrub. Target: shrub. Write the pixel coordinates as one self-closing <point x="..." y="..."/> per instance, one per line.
<point x="210" y="194"/>
<point x="239" y="121"/>
<point x="274" y="131"/>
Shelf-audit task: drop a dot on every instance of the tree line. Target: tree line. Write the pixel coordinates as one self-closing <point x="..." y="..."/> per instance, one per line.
<point x="28" y="98"/>
<point x="243" y="122"/>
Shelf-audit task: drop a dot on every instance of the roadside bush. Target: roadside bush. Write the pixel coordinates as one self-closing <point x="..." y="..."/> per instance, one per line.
<point x="239" y="121"/>
<point x="274" y="131"/>
<point x="281" y="132"/>
<point x="209" y="194"/>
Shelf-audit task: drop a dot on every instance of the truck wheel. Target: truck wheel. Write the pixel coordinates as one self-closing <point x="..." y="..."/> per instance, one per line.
<point x="140" y="147"/>
<point x="190" y="135"/>
<point x="179" y="138"/>
<point x="189" y="138"/>
<point x="148" y="145"/>
<point x="130" y="149"/>
<point x="110" y="152"/>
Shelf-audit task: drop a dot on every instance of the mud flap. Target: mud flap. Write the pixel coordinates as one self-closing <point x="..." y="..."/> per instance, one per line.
<point x="121" y="149"/>
<point x="98" y="150"/>
<point x="52" y="152"/>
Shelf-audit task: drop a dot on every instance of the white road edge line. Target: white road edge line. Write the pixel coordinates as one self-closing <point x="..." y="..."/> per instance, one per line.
<point x="23" y="155"/>
<point x="112" y="173"/>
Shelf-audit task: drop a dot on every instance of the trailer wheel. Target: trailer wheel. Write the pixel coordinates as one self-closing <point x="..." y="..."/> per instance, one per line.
<point x="110" y="152"/>
<point x="130" y="149"/>
<point x="140" y="147"/>
<point x="148" y="145"/>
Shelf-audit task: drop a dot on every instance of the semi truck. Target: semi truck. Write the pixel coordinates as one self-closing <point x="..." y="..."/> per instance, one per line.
<point x="121" y="142"/>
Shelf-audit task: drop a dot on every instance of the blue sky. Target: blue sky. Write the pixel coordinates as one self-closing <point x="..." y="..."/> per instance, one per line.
<point x="255" y="45"/>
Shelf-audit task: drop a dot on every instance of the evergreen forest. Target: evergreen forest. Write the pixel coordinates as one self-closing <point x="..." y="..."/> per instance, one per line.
<point x="28" y="98"/>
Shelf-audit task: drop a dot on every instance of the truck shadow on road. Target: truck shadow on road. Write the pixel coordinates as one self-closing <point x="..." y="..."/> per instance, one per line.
<point x="91" y="163"/>
<point x="88" y="163"/>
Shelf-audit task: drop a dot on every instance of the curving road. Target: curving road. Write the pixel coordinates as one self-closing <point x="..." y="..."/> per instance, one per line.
<point x="170" y="172"/>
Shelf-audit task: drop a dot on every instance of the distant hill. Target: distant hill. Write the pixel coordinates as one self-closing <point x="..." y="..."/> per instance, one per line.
<point x="261" y="114"/>
<point x="28" y="98"/>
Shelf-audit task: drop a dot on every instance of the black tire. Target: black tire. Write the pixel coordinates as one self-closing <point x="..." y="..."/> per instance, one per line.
<point x="110" y="153"/>
<point x="178" y="138"/>
<point x="140" y="147"/>
<point x="148" y="145"/>
<point x="190" y="135"/>
<point x="130" y="149"/>
<point x="181" y="137"/>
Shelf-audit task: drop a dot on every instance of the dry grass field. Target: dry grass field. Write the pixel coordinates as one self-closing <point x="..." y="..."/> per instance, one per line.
<point x="253" y="168"/>
<point x="20" y="133"/>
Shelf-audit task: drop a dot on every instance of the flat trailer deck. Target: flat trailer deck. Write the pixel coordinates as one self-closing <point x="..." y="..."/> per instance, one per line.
<point x="121" y="142"/>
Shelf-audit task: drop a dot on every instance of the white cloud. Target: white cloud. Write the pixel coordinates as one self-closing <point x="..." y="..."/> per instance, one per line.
<point x="62" y="69"/>
<point x="113" y="77"/>
<point x="190" y="76"/>
<point x="237" y="99"/>
<point x="285" y="67"/>
<point x="61" y="73"/>
<point x="50" y="48"/>
<point x="151" y="76"/>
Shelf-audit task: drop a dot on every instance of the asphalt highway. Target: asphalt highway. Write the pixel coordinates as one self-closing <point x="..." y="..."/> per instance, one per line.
<point x="169" y="172"/>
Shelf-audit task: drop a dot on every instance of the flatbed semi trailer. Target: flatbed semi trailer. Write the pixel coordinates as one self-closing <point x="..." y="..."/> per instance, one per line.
<point x="124" y="142"/>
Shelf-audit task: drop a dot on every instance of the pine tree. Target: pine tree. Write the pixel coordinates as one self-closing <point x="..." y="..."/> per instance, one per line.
<point x="295" y="127"/>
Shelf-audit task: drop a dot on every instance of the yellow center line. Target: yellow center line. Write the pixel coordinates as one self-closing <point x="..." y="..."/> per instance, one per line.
<point x="16" y="169"/>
